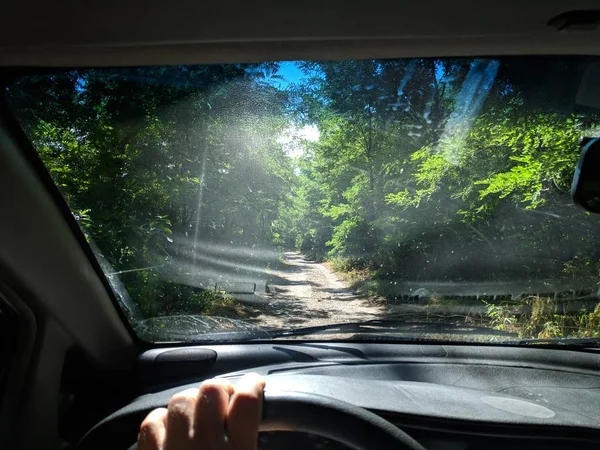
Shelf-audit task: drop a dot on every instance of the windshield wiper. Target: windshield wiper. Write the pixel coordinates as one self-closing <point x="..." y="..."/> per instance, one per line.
<point x="558" y="342"/>
<point x="412" y="331"/>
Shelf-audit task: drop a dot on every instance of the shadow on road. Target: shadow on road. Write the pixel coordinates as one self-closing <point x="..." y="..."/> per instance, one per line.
<point x="306" y="292"/>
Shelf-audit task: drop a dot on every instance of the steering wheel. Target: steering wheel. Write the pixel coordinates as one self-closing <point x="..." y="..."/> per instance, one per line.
<point x="323" y="416"/>
<point x="327" y="417"/>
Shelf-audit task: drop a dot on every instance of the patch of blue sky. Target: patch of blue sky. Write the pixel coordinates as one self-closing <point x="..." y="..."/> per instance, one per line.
<point x="289" y="73"/>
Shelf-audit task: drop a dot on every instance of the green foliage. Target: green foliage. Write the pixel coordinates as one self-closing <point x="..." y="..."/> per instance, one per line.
<point x="154" y="159"/>
<point x="398" y="186"/>
<point x="540" y="149"/>
<point x="542" y="318"/>
<point x="412" y="178"/>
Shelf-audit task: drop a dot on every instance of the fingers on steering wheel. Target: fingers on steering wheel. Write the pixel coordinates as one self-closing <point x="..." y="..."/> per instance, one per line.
<point x="245" y="412"/>
<point x="153" y="430"/>
<point x="180" y="420"/>
<point x="211" y="413"/>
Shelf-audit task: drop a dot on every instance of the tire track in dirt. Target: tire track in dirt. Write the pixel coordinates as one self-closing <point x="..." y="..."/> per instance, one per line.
<point x="306" y="293"/>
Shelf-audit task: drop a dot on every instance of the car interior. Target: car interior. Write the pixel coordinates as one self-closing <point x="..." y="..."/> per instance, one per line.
<point x="75" y="375"/>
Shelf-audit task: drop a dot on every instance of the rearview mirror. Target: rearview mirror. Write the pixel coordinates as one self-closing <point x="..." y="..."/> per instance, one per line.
<point x="585" y="188"/>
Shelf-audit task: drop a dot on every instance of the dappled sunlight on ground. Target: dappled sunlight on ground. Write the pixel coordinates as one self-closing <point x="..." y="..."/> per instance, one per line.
<point x="307" y="293"/>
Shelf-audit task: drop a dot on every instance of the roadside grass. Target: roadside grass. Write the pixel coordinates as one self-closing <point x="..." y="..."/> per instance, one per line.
<point x="207" y="302"/>
<point x="545" y="318"/>
<point x="532" y="316"/>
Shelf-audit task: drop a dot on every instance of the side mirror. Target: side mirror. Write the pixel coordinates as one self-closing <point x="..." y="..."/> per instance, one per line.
<point x="585" y="189"/>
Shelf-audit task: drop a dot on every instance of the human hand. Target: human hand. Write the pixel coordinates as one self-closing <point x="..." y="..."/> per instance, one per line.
<point x="217" y="416"/>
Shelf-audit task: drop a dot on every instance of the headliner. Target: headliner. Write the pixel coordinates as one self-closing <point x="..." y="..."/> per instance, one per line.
<point x="145" y="32"/>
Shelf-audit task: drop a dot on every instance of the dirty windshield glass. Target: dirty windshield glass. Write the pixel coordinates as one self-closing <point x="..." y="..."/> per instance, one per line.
<point x="409" y="199"/>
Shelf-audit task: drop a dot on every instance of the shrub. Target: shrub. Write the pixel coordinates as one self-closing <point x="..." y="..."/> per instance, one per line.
<point x="540" y="317"/>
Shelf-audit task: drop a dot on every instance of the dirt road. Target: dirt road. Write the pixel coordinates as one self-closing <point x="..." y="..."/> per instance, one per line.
<point x="306" y="293"/>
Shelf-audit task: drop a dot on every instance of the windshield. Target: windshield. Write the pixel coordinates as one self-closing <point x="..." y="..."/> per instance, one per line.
<point x="412" y="198"/>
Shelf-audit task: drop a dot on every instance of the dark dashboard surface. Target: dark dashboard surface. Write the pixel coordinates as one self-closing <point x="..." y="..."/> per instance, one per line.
<point x="444" y="396"/>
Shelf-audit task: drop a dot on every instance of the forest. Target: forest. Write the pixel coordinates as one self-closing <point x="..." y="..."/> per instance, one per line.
<point x="187" y="178"/>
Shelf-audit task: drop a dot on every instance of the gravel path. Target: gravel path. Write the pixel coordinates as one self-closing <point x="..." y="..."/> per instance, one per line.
<point x="306" y="293"/>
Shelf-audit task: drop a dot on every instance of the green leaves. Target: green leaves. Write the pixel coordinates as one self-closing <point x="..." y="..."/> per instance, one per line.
<point x="152" y="158"/>
<point x="423" y="169"/>
<point x="399" y="180"/>
<point x="540" y="149"/>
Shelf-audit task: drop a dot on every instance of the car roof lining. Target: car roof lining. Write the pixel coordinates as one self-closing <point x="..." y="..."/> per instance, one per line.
<point x="137" y="32"/>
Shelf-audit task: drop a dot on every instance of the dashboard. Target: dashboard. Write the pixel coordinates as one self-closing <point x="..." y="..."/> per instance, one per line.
<point x="303" y="441"/>
<point x="457" y="397"/>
